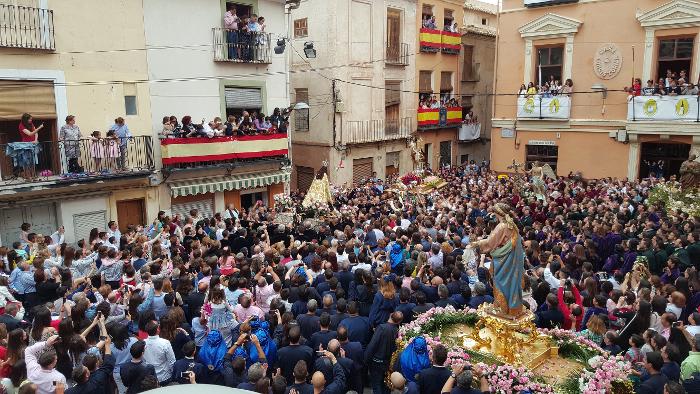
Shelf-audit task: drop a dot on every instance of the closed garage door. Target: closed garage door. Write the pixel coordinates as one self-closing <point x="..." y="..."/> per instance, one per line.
<point x="305" y="175"/>
<point x="42" y="217"/>
<point x="361" y="170"/>
<point x="205" y="206"/>
<point x="83" y="223"/>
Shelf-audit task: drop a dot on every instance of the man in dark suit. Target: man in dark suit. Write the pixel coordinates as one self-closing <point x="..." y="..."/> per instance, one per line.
<point x="309" y="322"/>
<point x="552" y="316"/>
<point x="11" y="322"/>
<point x="379" y="351"/>
<point x="353" y="351"/>
<point x="431" y="380"/>
<point x="92" y="376"/>
<point x="187" y="364"/>
<point x="359" y="328"/>
<point x="132" y="372"/>
<point x="340" y="313"/>
<point x="656" y="381"/>
<point x="323" y="336"/>
<point x="195" y="300"/>
<point x="288" y="356"/>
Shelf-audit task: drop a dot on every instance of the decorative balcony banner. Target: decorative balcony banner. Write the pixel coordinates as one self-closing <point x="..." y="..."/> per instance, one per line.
<point x="684" y="108"/>
<point x="537" y="107"/>
<point x="451" y="42"/>
<point x="470" y="131"/>
<point x="192" y="150"/>
<point x="443" y="117"/>
<point x="430" y="40"/>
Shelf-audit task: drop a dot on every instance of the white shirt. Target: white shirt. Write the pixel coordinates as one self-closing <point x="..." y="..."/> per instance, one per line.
<point x="116" y="234"/>
<point x="159" y="353"/>
<point x="364" y="266"/>
<point x="44" y="379"/>
<point x="553" y="282"/>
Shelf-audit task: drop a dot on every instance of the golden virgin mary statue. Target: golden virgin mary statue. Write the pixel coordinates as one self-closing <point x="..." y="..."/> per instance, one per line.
<point x="320" y="189"/>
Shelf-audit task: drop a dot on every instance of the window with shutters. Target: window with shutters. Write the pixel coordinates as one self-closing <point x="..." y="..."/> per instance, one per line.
<point x="448" y="19"/>
<point x="362" y="170"/>
<point x="84" y="222"/>
<point x="392" y="90"/>
<point x="446" y="85"/>
<point x="393" y="35"/>
<point x="301" y="28"/>
<point x="301" y="116"/>
<point x="242" y="99"/>
<point x="305" y="175"/>
<point x="425" y="81"/>
<point x="427" y="11"/>
<point x="468" y="63"/>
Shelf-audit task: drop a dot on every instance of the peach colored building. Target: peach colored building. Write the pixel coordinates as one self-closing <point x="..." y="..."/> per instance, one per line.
<point x="601" y="45"/>
<point x="438" y="75"/>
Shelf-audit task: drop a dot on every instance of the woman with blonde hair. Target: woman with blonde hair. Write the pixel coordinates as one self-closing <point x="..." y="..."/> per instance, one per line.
<point x="595" y="329"/>
<point x="384" y="303"/>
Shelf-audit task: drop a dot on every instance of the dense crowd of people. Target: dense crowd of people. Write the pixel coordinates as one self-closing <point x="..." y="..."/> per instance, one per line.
<point x="241" y="300"/>
<point x="249" y="123"/>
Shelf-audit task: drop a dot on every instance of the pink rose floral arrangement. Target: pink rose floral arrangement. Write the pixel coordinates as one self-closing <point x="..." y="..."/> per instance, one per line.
<point x="508" y="379"/>
<point x="563" y="336"/>
<point x="606" y="370"/>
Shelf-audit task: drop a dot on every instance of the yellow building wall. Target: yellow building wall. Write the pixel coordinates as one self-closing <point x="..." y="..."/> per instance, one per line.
<point x="595" y="154"/>
<point x="96" y="41"/>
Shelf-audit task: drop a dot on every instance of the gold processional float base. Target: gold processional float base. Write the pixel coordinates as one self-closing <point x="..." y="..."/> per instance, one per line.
<point x="512" y="341"/>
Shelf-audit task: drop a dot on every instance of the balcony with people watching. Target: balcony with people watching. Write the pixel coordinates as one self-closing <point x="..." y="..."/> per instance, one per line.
<point x="672" y="98"/>
<point x="432" y="39"/>
<point x="242" y="38"/>
<point x="26" y="27"/>
<point x="471" y="128"/>
<point x="434" y="113"/>
<point x="549" y="100"/>
<point x="30" y="158"/>
<point x="248" y="137"/>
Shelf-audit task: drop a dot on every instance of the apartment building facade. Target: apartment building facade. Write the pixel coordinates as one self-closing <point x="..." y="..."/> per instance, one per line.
<point x="211" y="71"/>
<point x="140" y="69"/>
<point x="48" y="73"/>
<point x="478" y="64"/>
<point x="598" y="130"/>
<point x="438" y="80"/>
<point x="359" y="88"/>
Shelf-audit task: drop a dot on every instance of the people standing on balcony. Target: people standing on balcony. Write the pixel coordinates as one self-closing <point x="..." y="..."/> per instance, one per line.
<point x="531" y="89"/>
<point x="70" y="135"/>
<point x="430" y="23"/>
<point x="112" y="151"/>
<point x="690" y="90"/>
<point x="27" y="131"/>
<point x="259" y="123"/>
<point x="168" y="128"/>
<point x="231" y="126"/>
<point x="674" y="89"/>
<point x="650" y="89"/>
<point x="121" y="130"/>
<point x="253" y="33"/>
<point x="97" y="150"/>
<point x="568" y="88"/>
<point x="661" y="88"/>
<point x="276" y="117"/>
<point x="231" y="21"/>
<point x="522" y="92"/>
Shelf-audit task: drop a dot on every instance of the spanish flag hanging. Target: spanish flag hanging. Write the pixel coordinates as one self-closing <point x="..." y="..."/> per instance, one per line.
<point x="451" y="42"/>
<point x="429" y="40"/>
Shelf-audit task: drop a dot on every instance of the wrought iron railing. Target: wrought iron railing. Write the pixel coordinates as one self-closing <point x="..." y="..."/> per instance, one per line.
<point x="76" y="159"/>
<point x="241" y="47"/>
<point x="397" y="54"/>
<point x="26" y="27"/>
<point x="364" y="131"/>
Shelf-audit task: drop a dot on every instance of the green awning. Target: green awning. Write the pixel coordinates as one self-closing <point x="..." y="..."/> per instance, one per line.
<point x="229" y="182"/>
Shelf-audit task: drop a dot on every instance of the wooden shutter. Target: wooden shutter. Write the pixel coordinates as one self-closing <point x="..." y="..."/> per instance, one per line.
<point x="362" y="169"/>
<point x="446" y="81"/>
<point x="393" y="34"/>
<point x="392" y="91"/>
<point x="467" y="66"/>
<point x="425" y="81"/>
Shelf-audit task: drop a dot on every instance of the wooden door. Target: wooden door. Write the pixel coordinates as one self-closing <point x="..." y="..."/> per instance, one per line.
<point x="130" y="212"/>
<point x="393" y="35"/>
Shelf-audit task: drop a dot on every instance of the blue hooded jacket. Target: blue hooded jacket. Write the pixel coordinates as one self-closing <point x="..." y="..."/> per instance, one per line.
<point x="213" y="351"/>
<point x="414" y="358"/>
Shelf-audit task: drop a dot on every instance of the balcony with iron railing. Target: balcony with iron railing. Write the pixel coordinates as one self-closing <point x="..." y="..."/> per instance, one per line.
<point x="26" y="28"/>
<point x="367" y="131"/>
<point x="75" y="160"/>
<point x="241" y="47"/>
<point x="199" y="152"/>
<point x="397" y="54"/>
